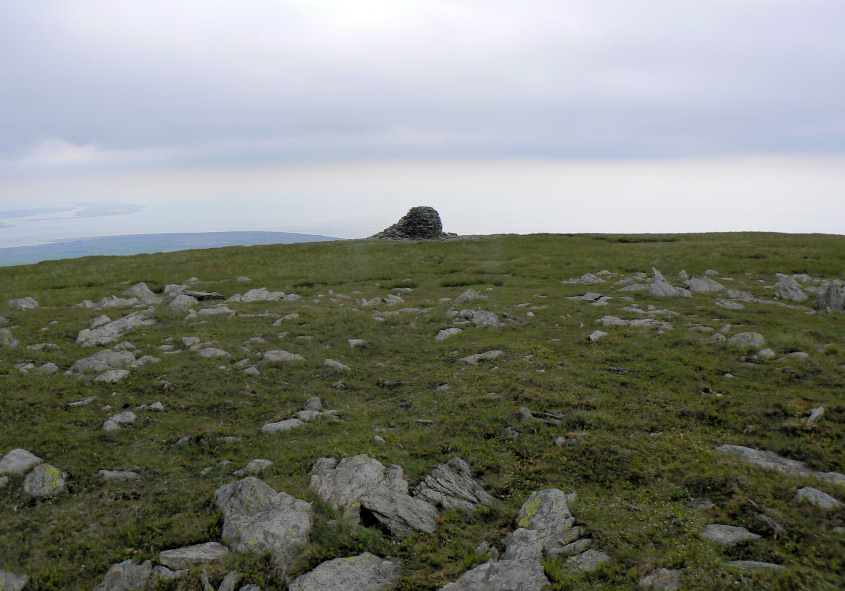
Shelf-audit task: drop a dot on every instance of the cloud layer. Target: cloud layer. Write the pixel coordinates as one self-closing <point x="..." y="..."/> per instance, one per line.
<point x="112" y="84"/>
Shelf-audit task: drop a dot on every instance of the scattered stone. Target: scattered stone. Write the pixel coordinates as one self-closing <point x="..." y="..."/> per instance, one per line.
<point x="281" y="426"/>
<point x="586" y="279"/>
<point x="704" y="285"/>
<point x="48" y="368"/>
<point x="103" y="361"/>
<point x="662" y="580"/>
<point x="771" y="461"/>
<point x="752" y="566"/>
<point x="112" y="376"/>
<point x="364" y="572"/>
<point x="766" y="353"/>
<point x="44" y="481"/>
<point x="832" y="299"/>
<point x="502" y="575"/>
<point x="446" y="333"/>
<point x="361" y="487"/>
<point x="479" y="357"/>
<point x="729" y="305"/>
<point x="7" y="339"/>
<point x="799" y="355"/>
<point x="451" y="486"/>
<point x="197" y="555"/>
<point x="119" y="421"/>
<point x="596" y="335"/>
<point x="216" y="310"/>
<point x="747" y="340"/>
<point x="638" y="323"/>
<point x="818" y="498"/>
<point x="727" y="535"/>
<point x="212" y="353"/>
<point x="769" y="524"/>
<point x="815" y="416"/>
<point x="142" y="361"/>
<point x="255" y="467"/>
<point x="279" y="356"/>
<point x="182" y="303"/>
<point x="119" y="475"/>
<point x="4" y="482"/>
<point x="336" y="365"/>
<point x="252" y="371"/>
<point x="588" y="561"/>
<point x="469" y="296"/>
<point x="142" y="293"/>
<point x="126" y="576"/>
<point x="18" y="461"/>
<point x="109" y="333"/>
<point x="420" y="223"/>
<point x="99" y="321"/>
<point x="787" y="288"/>
<point x="683" y="275"/>
<point x="83" y="402"/>
<point x="12" y="582"/>
<point x="660" y="287"/>
<point x="357" y="343"/>
<point x="26" y="303"/>
<point x="257" y="519"/>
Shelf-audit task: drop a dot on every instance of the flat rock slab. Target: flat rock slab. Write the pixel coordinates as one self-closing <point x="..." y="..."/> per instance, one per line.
<point x="752" y="566"/>
<point x="257" y="518"/>
<point x="112" y="376"/>
<point x="18" y="461"/>
<point x="361" y="483"/>
<point x="108" y="333"/>
<point x="280" y="426"/>
<point x="771" y="461"/>
<point x="44" y="481"/>
<point x="727" y="535"/>
<point x="104" y="361"/>
<point x="364" y="572"/>
<point x="278" y="356"/>
<point x="212" y="353"/>
<point x="502" y="575"/>
<point x="451" y="486"/>
<point x="126" y="576"/>
<point x="479" y="357"/>
<point x="588" y="561"/>
<point x="818" y="498"/>
<point x="197" y="555"/>
<point x="118" y="475"/>
<point x="661" y="580"/>
<point x="26" y="303"/>
<point x="12" y="582"/>
<point x="747" y="340"/>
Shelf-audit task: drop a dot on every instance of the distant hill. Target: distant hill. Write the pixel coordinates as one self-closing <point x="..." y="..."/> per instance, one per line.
<point x="146" y="243"/>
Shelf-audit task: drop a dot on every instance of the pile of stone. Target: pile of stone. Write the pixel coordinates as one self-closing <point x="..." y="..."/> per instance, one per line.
<point x="420" y="223"/>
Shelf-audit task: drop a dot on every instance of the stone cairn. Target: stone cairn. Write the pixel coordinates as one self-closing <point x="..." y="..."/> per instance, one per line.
<point x="420" y="223"/>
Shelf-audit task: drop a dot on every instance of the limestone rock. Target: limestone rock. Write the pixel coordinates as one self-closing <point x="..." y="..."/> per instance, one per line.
<point x="364" y="572"/>
<point x="197" y="555"/>
<point x="275" y="357"/>
<point x="752" y="566"/>
<point x="12" y="582"/>
<point x="255" y="467"/>
<point x="103" y="361"/>
<point x="112" y="376"/>
<point x="586" y="278"/>
<point x="7" y="339"/>
<point x="142" y="293"/>
<point x="771" y="461"/>
<point x="26" y="303"/>
<point x="832" y="299"/>
<point x="420" y="223"/>
<point x="523" y="544"/>
<point x="815" y="416"/>
<point x="116" y="422"/>
<point x="281" y="426"/>
<point x="44" y="481"/>
<point x="257" y="518"/>
<point x="704" y="285"/>
<point x="118" y="475"/>
<point x="662" y="580"/>
<point x="502" y="575"/>
<point x="596" y="335"/>
<point x="108" y="333"/>
<point x="587" y="561"/>
<point x="126" y="576"/>
<point x="446" y="333"/>
<point x="212" y="353"/>
<point x="660" y="287"/>
<point x="362" y="484"/>
<point x="787" y="288"/>
<point x="727" y="535"/>
<point x="546" y="512"/>
<point x="818" y="498"/>
<point x="336" y="365"/>
<point x="747" y="340"/>
<point x="451" y="486"/>
<point x="470" y="295"/>
<point x="181" y="303"/>
<point x="18" y="461"/>
<point x="479" y="357"/>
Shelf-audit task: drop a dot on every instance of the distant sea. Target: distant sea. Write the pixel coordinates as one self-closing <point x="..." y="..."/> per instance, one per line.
<point x="146" y="243"/>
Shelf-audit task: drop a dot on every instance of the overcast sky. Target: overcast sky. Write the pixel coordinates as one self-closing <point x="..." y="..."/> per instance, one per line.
<point x="173" y="97"/>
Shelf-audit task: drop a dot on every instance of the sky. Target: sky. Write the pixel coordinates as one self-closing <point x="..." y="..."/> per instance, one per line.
<point x="335" y="117"/>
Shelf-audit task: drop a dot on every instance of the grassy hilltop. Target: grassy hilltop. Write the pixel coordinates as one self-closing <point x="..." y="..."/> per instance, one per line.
<point x="640" y="411"/>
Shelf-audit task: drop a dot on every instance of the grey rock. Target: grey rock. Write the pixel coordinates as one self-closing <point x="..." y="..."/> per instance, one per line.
<point x="48" y="368"/>
<point x="818" y="498"/>
<point x="144" y="360"/>
<point x="212" y="353"/>
<point x="4" y="481"/>
<point x="832" y="299"/>
<point x="704" y="285"/>
<point x="118" y="421"/>
<point x="747" y="340"/>
<point x="729" y="305"/>
<point x="469" y="296"/>
<point x="362" y="483"/>
<point x="278" y="356"/>
<point x="815" y="416"/>
<point x="588" y="561"/>
<point x="336" y="365"/>
<point x="83" y="402"/>
<point x="252" y="371"/>
<point x="7" y="339"/>
<point x="112" y="376"/>
<point x="230" y="581"/>
<point x="683" y="275"/>
<point x="118" y="475"/>
<point x="769" y="524"/>
<point x="313" y="403"/>
<point x="18" y="461"/>
<point x="502" y="575"/>
<point x="727" y="535"/>
<point x="451" y="486"/>
<point x="771" y="461"/>
<point x="182" y="303"/>
<point x="479" y="357"/>
<point x="364" y="572"/>
<point x="357" y="343"/>
<point x="126" y="576"/>
<point x="752" y="566"/>
<point x="658" y="286"/>
<point x="257" y="518"/>
<point x="586" y="279"/>
<point x="250" y="588"/>
<point x="446" y="333"/>
<point x="12" y="582"/>
<point x="197" y="555"/>
<point x="546" y="512"/>
<point x="216" y="310"/>
<point x="108" y="333"/>
<point x="573" y="548"/>
<point x="662" y="580"/>
<point x="766" y="353"/>
<point x="255" y="467"/>
<point x="99" y="321"/>
<point x="142" y="293"/>
<point x="523" y="544"/>
<point x="596" y="335"/>
<point x="116" y="302"/>
<point x="281" y="426"/>
<point x="104" y="360"/>
<point x="420" y="223"/>
<point x="26" y="303"/>
<point x="787" y="288"/>
<point x="44" y="481"/>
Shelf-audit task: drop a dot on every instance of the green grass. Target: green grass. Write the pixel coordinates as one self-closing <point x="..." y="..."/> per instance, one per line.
<point x="643" y="433"/>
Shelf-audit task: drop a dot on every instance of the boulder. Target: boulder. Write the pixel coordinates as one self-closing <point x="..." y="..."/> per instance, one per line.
<point x="727" y="535"/>
<point x="832" y="299"/>
<point x="44" y="481"/>
<point x="197" y="555"/>
<point x="451" y="486"/>
<point x="336" y="365"/>
<point x="363" y="489"/>
<point x="704" y="285"/>
<point x="26" y="303"/>
<point x="12" y="582"/>
<point x="446" y="333"/>
<point x="18" y="461"/>
<point x="479" y="357"/>
<point x="118" y="475"/>
<point x="771" y="461"/>
<point x="787" y="288"/>
<point x="661" y="580"/>
<point x="212" y="353"/>
<point x="275" y="357"/>
<point x="364" y="572"/>
<point x="658" y="286"/>
<point x="588" y="561"/>
<point x="109" y="333"/>
<point x="103" y="361"/>
<point x="126" y="576"/>
<point x="112" y="376"/>
<point x="502" y="575"/>
<point x="142" y="293"/>
<point x="281" y="426"/>
<point x="116" y="422"/>
<point x="747" y="340"/>
<point x="420" y="223"/>
<point x="181" y="303"/>
<point x="818" y="498"/>
<point x="257" y="518"/>
<point x="7" y="339"/>
<point x="547" y="513"/>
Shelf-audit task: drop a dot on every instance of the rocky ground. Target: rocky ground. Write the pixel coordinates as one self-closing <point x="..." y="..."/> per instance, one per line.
<point x="494" y="424"/>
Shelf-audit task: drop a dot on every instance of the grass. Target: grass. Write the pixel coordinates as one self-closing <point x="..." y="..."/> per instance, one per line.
<point x="642" y="432"/>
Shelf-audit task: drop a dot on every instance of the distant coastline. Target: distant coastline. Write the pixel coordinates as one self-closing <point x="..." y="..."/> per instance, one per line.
<point x="146" y="243"/>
